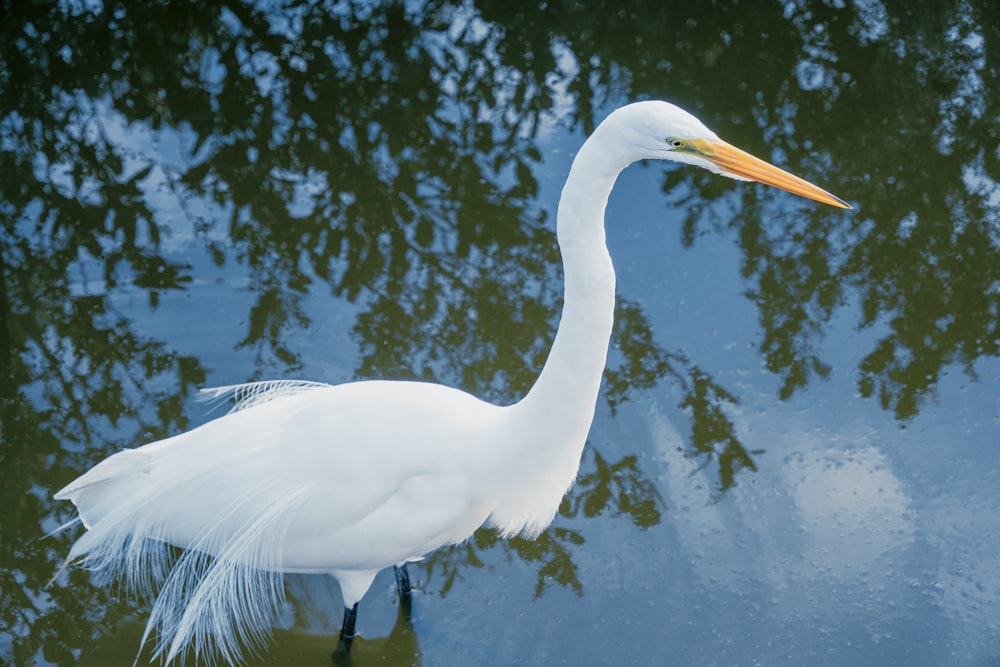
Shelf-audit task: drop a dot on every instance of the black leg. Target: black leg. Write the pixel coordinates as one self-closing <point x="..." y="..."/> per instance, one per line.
<point x="404" y="588"/>
<point x="402" y="580"/>
<point x="347" y="629"/>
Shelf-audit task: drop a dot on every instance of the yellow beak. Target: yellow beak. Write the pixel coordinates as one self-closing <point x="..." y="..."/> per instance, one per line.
<point x="735" y="162"/>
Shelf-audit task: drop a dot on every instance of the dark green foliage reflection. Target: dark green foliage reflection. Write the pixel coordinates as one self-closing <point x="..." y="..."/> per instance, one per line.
<point x="387" y="154"/>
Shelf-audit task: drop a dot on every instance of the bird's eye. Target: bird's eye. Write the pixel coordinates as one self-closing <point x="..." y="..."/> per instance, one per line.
<point x="675" y="143"/>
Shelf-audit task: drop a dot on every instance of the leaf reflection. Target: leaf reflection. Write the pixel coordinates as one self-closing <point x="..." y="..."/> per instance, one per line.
<point x="619" y="488"/>
<point x="388" y="153"/>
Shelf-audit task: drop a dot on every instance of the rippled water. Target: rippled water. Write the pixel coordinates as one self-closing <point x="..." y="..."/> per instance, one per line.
<point x="794" y="459"/>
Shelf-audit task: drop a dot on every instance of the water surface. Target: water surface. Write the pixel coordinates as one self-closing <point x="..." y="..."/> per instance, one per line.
<point x="794" y="458"/>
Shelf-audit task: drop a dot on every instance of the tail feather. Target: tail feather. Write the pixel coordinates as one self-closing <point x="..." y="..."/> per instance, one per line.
<point x="229" y="601"/>
<point x="222" y="593"/>
<point x="126" y="545"/>
<point x="125" y="462"/>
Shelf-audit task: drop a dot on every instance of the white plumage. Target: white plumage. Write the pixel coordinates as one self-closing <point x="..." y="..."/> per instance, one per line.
<point x="350" y="479"/>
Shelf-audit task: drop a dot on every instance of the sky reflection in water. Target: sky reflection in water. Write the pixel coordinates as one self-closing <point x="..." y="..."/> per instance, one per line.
<point x="795" y="456"/>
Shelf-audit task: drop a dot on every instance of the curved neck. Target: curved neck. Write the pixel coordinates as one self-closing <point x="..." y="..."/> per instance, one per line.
<point x="565" y="393"/>
<point x="551" y="423"/>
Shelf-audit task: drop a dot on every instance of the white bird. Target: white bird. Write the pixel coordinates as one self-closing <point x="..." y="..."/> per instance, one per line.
<point x="350" y="479"/>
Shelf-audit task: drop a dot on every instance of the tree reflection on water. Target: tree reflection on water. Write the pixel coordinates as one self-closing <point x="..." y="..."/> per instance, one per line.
<point x="390" y="153"/>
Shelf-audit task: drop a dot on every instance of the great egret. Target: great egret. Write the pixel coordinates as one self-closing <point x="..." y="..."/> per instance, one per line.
<point x="353" y="478"/>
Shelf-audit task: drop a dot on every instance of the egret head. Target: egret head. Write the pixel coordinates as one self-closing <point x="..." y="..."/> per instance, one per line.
<point x="663" y="131"/>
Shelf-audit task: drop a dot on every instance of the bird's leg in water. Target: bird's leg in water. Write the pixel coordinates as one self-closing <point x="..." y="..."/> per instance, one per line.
<point x="404" y="588"/>
<point x="347" y="629"/>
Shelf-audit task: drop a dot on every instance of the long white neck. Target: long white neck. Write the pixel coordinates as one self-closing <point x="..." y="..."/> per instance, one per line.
<point x="566" y="390"/>
<point x="556" y="414"/>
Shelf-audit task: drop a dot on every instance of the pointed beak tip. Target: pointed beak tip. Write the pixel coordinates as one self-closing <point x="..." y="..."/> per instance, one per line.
<point x="739" y="164"/>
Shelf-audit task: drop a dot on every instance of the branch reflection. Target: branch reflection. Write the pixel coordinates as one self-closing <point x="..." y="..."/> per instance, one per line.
<point x="389" y="154"/>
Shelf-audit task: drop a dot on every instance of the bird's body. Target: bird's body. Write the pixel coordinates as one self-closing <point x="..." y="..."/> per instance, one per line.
<point x="354" y="478"/>
<point x="370" y="484"/>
